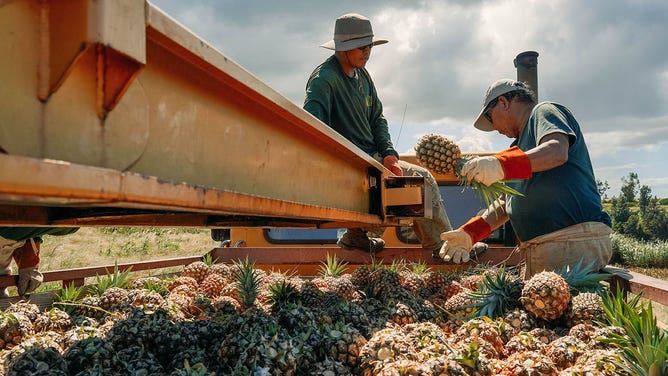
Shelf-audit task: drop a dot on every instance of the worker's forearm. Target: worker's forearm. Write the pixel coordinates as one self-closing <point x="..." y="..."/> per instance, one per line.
<point x="496" y="215"/>
<point x="552" y="152"/>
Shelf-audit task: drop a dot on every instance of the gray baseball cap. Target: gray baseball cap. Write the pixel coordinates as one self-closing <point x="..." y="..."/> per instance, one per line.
<point x="495" y="90"/>
<point x="352" y="31"/>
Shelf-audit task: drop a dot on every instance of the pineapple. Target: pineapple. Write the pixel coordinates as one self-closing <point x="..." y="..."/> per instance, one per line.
<point x="37" y="361"/>
<point x="343" y="343"/>
<point x="413" y="279"/>
<point x="112" y="297"/>
<point x="546" y="295"/>
<point x="361" y="276"/>
<point x="14" y="327"/>
<point x="442" y="155"/>
<point x="564" y="351"/>
<point x="54" y="319"/>
<point x="402" y="314"/>
<point x="384" y="347"/>
<point x="437" y="280"/>
<point x="29" y="310"/>
<point x="282" y="293"/>
<point x="452" y="289"/>
<point x="197" y="270"/>
<point x="460" y="305"/>
<point x="438" y="153"/>
<point x="183" y="280"/>
<point x="212" y="285"/>
<point x="585" y="308"/>
<point x="528" y="363"/>
<point x="520" y="320"/>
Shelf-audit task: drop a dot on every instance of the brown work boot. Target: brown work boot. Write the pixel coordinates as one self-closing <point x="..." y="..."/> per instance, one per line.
<point x="358" y="239"/>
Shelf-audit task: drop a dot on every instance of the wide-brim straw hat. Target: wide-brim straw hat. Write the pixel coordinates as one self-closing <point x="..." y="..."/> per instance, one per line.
<point x="352" y="31"/>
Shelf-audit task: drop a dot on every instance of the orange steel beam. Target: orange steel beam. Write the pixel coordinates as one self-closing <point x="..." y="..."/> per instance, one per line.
<point x="113" y="103"/>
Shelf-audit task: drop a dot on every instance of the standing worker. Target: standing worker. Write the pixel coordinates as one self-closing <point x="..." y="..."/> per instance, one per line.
<point x="22" y="244"/>
<point x="559" y="219"/>
<point x="341" y="94"/>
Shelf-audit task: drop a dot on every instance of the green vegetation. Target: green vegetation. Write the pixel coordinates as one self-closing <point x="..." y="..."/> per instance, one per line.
<point x="627" y="250"/>
<point x="636" y="212"/>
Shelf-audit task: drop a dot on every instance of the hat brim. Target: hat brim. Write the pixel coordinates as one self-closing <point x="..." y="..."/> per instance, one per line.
<point x="482" y="123"/>
<point x="339" y="45"/>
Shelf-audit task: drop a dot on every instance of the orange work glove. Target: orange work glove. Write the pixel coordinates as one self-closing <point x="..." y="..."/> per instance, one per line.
<point x="509" y="164"/>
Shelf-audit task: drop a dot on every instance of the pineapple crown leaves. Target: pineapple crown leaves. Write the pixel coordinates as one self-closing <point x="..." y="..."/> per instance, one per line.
<point x="282" y="293"/>
<point x="208" y="259"/>
<point x="118" y="278"/>
<point x="499" y="293"/>
<point x="583" y="278"/>
<point x="376" y="264"/>
<point x="332" y="267"/>
<point x="69" y="293"/>
<point x="249" y="282"/>
<point x="420" y="267"/>
<point x="644" y="346"/>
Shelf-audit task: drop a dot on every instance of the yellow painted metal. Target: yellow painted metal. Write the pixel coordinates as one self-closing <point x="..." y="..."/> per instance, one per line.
<point x="119" y="85"/>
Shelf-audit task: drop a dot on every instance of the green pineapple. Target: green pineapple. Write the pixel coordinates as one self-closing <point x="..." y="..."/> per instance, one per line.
<point x="443" y="156"/>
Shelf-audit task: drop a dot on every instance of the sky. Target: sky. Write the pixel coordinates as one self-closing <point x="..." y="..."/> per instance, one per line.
<point x="606" y="60"/>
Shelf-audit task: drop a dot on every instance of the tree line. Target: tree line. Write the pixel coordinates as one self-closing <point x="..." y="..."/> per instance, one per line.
<point x="635" y="212"/>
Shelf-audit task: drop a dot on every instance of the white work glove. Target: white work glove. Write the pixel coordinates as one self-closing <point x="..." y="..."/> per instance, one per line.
<point x="456" y="247"/>
<point x="486" y="170"/>
<point x="29" y="280"/>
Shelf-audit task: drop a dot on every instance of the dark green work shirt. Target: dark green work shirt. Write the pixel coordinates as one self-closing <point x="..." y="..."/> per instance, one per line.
<point x="560" y="197"/>
<point x="350" y="106"/>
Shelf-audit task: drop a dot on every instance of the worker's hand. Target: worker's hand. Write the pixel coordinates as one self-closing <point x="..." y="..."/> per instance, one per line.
<point x="456" y="247"/>
<point x="486" y="170"/>
<point x="29" y="280"/>
<point x="392" y="163"/>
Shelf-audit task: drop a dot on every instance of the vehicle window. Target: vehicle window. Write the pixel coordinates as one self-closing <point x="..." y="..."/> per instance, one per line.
<point x="460" y="203"/>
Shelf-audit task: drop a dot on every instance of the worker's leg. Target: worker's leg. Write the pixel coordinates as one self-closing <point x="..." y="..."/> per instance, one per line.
<point x="428" y="230"/>
<point x="7" y="248"/>
<point x="589" y="242"/>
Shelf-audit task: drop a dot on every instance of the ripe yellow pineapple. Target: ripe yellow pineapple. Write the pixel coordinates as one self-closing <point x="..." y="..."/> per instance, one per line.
<point x="438" y="153"/>
<point x="442" y="155"/>
<point x="198" y="270"/>
<point x="546" y="295"/>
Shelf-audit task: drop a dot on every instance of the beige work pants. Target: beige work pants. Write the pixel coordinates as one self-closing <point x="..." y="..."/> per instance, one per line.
<point x="589" y="241"/>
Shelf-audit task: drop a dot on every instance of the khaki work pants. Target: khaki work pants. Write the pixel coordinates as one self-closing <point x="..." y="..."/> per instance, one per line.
<point x="589" y="242"/>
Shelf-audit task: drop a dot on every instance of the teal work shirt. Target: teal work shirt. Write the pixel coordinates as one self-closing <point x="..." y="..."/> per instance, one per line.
<point x="350" y="106"/>
<point x="560" y="197"/>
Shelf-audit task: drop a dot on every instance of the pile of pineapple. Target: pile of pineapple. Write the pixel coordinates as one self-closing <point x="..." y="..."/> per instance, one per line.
<point x="398" y="319"/>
